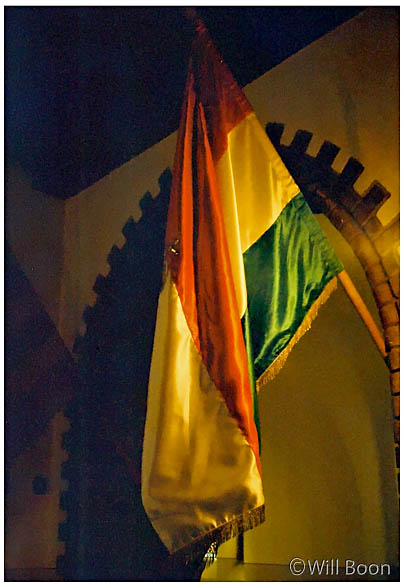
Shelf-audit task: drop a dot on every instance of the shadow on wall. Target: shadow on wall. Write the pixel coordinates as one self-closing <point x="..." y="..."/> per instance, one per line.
<point x="40" y="372"/>
<point x="351" y="118"/>
<point x="107" y="533"/>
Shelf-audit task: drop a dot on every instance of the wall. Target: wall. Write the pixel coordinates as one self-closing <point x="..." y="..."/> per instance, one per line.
<point x="34" y="231"/>
<point x="31" y="526"/>
<point x="327" y="443"/>
<point x="327" y="434"/>
<point x="93" y="223"/>
<point x="33" y="223"/>
<point x="344" y="88"/>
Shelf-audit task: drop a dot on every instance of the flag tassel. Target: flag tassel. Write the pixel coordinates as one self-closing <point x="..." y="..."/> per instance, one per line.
<point x="239" y="524"/>
<point x="272" y="370"/>
<point x="224" y="221"/>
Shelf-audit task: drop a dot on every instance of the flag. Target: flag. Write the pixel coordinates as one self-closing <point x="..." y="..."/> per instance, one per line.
<point x="246" y="268"/>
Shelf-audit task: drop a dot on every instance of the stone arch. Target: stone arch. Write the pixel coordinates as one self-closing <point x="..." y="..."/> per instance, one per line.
<point x="354" y="215"/>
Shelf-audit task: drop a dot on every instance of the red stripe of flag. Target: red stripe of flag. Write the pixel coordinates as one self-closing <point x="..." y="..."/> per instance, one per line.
<point x="198" y="255"/>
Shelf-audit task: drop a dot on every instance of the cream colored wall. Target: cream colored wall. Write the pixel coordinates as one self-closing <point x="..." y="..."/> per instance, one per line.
<point x="327" y="433"/>
<point x="33" y="223"/>
<point x="93" y="223"/>
<point x="327" y="443"/>
<point x="344" y="88"/>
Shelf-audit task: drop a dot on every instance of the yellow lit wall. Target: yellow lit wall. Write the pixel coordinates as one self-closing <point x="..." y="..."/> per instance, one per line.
<point x="327" y="440"/>
<point x="326" y="420"/>
<point x="344" y="88"/>
<point x="93" y="223"/>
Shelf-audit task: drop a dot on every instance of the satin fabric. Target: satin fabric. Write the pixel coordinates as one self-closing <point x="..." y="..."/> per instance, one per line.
<point x="201" y="466"/>
<point x="286" y="271"/>
<point x="198" y="470"/>
<point x="231" y="219"/>
<point x="198" y="257"/>
<point x="255" y="186"/>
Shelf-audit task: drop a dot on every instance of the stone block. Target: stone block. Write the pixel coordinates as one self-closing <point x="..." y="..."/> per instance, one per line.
<point x="397" y="454"/>
<point x="376" y="274"/>
<point x="350" y="229"/>
<point x="395" y="382"/>
<point x="375" y="196"/>
<point x="383" y="294"/>
<point x="328" y="152"/>
<point x="389" y="315"/>
<point x="396" y="425"/>
<point x="350" y="173"/>
<point x="392" y="335"/>
<point x="395" y="284"/>
<point x="301" y="141"/>
<point x="396" y="406"/>
<point x="340" y="217"/>
<point x="372" y="226"/>
<point x="346" y="197"/>
<point x="390" y="263"/>
<point x="394" y="358"/>
<point x="364" y="251"/>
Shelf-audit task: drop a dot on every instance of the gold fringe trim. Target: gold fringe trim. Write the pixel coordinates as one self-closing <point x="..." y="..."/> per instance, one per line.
<point x="210" y="555"/>
<point x="275" y="367"/>
<point x="210" y="542"/>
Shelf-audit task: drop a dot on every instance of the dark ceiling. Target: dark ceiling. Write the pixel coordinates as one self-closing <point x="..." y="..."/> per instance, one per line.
<point x="87" y="88"/>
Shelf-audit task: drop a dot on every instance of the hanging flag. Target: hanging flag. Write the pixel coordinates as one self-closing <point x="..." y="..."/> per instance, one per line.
<point x="247" y="267"/>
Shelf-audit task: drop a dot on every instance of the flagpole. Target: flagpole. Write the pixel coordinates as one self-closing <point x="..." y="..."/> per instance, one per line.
<point x="240" y="547"/>
<point x="191" y="15"/>
<point x="363" y="311"/>
<point x="194" y="19"/>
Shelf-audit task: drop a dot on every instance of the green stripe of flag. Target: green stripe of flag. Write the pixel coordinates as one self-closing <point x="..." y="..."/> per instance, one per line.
<point x="286" y="271"/>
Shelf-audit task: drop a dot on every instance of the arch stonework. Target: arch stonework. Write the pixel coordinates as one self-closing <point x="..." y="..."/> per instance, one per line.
<point x="354" y="216"/>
